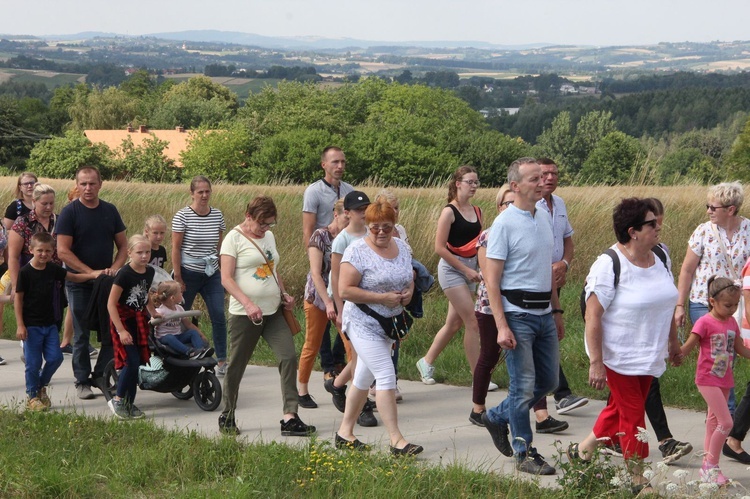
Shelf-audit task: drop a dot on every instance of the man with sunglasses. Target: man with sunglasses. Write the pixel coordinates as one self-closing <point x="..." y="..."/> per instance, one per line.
<point x="525" y="306"/>
<point x="562" y="255"/>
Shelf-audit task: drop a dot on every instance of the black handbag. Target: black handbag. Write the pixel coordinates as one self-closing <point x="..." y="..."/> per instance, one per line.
<point x="396" y="327"/>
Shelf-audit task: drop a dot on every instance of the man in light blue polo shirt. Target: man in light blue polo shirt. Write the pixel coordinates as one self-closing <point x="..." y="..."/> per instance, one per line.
<point x="526" y="309"/>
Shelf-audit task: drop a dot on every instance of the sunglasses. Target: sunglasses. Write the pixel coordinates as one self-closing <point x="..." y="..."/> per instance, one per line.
<point x="651" y="222"/>
<point x="385" y="229"/>
<point x="714" y="208"/>
<point x="506" y="203"/>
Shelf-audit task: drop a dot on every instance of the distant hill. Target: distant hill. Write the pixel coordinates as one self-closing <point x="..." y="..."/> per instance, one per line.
<point x="297" y="42"/>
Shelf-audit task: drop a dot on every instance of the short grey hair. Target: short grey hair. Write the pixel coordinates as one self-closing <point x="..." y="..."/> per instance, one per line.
<point x="728" y="194"/>
<point x="514" y="173"/>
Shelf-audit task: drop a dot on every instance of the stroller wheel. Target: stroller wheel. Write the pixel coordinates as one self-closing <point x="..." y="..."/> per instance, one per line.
<point x="185" y="394"/>
<point x="207" y="390"/>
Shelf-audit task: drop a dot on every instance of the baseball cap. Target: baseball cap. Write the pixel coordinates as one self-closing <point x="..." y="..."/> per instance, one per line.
<point x="355" y="200"/>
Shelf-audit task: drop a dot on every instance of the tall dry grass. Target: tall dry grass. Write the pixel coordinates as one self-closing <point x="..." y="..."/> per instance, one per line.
<point x="590" y="210"/>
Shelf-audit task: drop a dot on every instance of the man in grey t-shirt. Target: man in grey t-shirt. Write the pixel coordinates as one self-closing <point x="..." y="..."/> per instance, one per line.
<point x="317" y="212"/>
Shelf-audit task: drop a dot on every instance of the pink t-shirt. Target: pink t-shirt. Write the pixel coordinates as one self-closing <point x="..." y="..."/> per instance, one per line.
<point x="172" y="326"/>
<point x="716" y="355"/>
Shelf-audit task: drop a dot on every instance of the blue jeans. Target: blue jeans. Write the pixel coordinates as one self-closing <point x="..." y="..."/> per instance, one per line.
<point x="79" y="296"/>
<point x="696" y="311"/>
<point x="42" y="341"/>
<point x="182" y="342"/>
<point x="212" y="291"/>
<point x="330" y="356"/>
<point x="533" y="368"/>
<point x="127" y="383"/>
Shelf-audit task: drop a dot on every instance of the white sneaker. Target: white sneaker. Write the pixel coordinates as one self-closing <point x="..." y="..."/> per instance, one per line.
<point x="426" y="372"/>
<point x="492" y="387"/>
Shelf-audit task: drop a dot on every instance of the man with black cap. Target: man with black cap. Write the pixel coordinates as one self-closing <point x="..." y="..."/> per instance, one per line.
<point x="355" y="204"/>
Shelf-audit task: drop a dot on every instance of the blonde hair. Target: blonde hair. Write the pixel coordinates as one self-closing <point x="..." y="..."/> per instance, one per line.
<point x="153" y="220"/>
<point x="137" y="239"/>
<point x="338" y="206"/>
<point x="164" y="291"/>
<point x="19" y="194"/>
<point x="728" y="194"/>
<point x="40" y="190"/>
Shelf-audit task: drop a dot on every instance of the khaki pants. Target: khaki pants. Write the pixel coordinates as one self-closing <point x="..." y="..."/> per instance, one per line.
<point x="244" y="335"/>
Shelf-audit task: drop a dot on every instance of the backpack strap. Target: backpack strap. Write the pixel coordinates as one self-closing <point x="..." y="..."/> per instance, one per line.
<point x="615" y="263"/>
<point x="659" y="251"/>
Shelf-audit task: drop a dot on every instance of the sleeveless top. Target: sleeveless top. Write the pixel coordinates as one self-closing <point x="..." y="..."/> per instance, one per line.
<point x="463" y="235"/>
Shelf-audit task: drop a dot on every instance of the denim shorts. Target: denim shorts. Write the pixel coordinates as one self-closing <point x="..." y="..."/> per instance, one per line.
<point x="450" y="277"/>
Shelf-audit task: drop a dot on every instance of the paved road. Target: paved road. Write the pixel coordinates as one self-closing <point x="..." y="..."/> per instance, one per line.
<point x="433" y="416"/>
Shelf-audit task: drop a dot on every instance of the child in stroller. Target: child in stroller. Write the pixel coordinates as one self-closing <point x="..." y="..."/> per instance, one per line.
<point x="179" y="334"/>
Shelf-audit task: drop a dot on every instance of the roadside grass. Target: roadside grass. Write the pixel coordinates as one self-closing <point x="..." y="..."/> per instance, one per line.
<point x="63" y="454"/>
<point x="590" y="210"/>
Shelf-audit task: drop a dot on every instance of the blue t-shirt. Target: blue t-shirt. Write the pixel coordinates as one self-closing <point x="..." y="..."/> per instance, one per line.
<point x="524" y="242"/>
<point x="93" y="231"/>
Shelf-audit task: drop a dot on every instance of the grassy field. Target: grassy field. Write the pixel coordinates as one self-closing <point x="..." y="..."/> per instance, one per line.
<point x="590" y="213"/>
<point x="241" y="86"/>
<point x="51" y="79"/>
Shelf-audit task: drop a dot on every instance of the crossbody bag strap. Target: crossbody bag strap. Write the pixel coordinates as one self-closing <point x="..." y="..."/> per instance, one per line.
<point x="728" y="259"/>
<point x="273" y="273"/>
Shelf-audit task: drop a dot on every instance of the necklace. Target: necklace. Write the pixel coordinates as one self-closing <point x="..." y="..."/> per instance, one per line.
<point x="633" y="259"/>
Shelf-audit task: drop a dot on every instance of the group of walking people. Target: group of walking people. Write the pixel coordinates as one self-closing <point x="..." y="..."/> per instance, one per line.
<point x="362" y="279"/>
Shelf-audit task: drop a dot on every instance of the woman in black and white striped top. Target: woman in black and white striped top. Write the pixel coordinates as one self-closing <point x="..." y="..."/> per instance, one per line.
<point x="197" y="231"/>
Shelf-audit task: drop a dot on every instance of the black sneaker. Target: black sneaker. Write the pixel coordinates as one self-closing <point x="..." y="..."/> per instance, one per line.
<point x="296" y="428"/>
<point x="338" y="394"/>
<point x="551" y="425"/>
<point x="476" y="418"/>
<point x="228" y="425"/>
<point x="306" y="401"/>
<point x="499" y="433"/>
<point x="535" y="464"/>
<point x="672" y="450"/>
<point x="366" y="417"/>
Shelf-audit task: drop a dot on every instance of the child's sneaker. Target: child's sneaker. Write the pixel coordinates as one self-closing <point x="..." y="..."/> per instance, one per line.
<point x="44" y="397"/>
<point x="34" y="404"/>
<point x="136" y="413"/>
<point x="2" y="361"/>
<point x="118" y="409"/>
<point x="712" y="474"/>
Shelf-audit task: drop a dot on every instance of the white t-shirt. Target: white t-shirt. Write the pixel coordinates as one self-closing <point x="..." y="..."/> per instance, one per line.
<point x="170" y="326"/>
<point x="637" y="314"/>
<point x="252" y="274"/>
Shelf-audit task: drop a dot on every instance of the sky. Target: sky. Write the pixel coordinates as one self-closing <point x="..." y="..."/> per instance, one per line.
<point x="575" y="22"/>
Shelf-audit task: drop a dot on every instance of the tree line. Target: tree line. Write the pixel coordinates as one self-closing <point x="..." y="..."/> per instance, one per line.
<point x="397" y="133"/>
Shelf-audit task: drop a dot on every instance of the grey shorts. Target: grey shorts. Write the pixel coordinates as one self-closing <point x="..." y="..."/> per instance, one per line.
<point x="450" y="277"/>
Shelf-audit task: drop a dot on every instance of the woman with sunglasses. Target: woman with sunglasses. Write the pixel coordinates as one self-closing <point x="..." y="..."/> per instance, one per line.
<point x="629" y="332"/>
<point x="249" y="273"/>
<point x="718" y="247"/>
<point x="376" y="281"/>
<point x="458" y="230"/>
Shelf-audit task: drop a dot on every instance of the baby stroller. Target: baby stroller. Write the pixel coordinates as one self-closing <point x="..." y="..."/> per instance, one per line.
<point x="171" y="372"/>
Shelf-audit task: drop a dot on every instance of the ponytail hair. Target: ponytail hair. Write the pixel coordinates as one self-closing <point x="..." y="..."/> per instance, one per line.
<point x="164" y="291"/>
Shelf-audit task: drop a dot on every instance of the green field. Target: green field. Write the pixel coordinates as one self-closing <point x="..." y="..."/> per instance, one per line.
<point x="51" y="79"/>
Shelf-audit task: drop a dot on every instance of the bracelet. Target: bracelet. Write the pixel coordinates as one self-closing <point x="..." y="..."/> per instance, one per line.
<point x="567" y="264"/>
<point x="558" y="311"/>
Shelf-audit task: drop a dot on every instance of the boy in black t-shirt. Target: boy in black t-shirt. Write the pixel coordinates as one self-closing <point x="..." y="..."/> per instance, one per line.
<point x="37" y="315"/>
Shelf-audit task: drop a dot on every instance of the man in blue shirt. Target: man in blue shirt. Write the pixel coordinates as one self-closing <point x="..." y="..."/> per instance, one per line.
<point x="524" y="302"/>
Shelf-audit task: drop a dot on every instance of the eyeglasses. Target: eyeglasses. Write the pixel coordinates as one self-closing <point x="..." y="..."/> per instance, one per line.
<point x="28" y="184"/>
<point x="475" y="183"/>
<point x="506" y="203"/>
<point x="714" y="208"/>
<point x="385" y="229"/>
<point x="268" y="226"/>
<point x="651" y="222"/>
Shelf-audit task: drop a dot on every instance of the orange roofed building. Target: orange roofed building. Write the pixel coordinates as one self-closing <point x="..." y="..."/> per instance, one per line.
<point x="176" y="139"/>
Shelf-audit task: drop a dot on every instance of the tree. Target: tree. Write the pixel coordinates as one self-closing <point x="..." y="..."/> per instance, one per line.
<point x="96" y="109"/>
<point x="221" y="155"/>
<point x="591" y="128"/>
<point x="198" y="102"/>
<point x="145" y="163"/>
<point x="492" y="153"/>
<point x="613" y="160"/>
<point x="556" y="142"/>
<point x="738" y="161"/>
<point x="60" y="157"/>
<point x="690" y="165"/>
<point x="291" y="155"/>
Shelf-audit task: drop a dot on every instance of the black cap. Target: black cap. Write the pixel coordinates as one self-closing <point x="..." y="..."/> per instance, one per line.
<point x="355" y="200"/>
